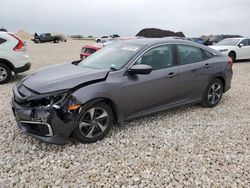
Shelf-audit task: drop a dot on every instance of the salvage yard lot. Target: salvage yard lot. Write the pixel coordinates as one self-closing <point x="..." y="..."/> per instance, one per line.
<point x="188" y="146"/>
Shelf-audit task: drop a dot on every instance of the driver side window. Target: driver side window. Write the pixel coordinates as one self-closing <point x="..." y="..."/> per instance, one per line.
<point x="158" y="57"/>
<point x="244" y="42"/>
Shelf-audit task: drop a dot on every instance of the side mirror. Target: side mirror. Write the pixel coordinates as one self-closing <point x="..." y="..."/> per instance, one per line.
<point x="140" y="69"/>
<point x="241" y="45"/>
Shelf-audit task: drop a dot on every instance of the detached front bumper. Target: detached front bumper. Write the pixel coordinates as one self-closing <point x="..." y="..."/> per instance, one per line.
<point x="44" y="123"/>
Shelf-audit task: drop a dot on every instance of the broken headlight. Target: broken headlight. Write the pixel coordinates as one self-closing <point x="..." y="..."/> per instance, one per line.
<point x="54" y="98"/>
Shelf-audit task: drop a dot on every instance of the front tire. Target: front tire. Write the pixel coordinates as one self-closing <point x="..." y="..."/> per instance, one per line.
<point x="95" y="123"/>
<point x="232" y="55"/>
<point x="5" y="73"/>
<point x="213" y="93"/>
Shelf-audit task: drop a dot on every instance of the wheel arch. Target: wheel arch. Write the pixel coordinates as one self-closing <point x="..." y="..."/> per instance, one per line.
<point x="233" y="51"/>
<point x="8" y="64"/>
<point x="109" y="102"/>
<point x="222" y="79"/>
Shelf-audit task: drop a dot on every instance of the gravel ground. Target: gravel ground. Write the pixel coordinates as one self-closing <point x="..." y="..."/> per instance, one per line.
<point x="183" y="147"/>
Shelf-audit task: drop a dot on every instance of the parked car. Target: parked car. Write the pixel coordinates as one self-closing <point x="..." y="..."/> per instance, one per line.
<point x="198" y="40"/>
<point x="12" y="56"/>
<point x="236" y="48"/>
<point x="122" y="81"/>
<point x="217" y="38"/>
<point x="106" y="38"/>
<point x="48" y="37"/>
<point x="87" y="50"/>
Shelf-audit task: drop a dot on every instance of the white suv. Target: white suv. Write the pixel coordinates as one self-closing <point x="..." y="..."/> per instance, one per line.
<point x="12" y="57"/>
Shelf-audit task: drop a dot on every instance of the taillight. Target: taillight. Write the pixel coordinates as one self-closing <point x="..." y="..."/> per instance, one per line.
<point x="20" y="43"/>
<point x="230" y="62"/>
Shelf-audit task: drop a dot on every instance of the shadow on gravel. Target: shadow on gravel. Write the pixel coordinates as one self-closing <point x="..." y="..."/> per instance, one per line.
<point x="17" y="78"/>
<point x="243" y="61"/>
<point x="171" y="111"/>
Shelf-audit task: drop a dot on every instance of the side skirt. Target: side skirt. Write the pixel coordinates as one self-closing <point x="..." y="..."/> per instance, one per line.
<point x="162" y="108"/>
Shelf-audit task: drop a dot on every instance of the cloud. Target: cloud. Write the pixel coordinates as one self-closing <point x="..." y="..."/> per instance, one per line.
<point x="126" y="17"/>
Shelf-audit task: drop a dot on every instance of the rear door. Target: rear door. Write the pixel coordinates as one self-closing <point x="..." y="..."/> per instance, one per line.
<point x="193" y="72"/>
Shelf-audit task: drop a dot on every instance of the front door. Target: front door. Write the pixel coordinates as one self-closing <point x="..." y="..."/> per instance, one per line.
<point x="244" y="51"/>
<point x="156" y="89"/>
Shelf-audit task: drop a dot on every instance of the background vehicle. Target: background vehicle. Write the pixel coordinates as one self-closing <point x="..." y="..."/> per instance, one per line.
<point x="198" y="40"/>
<point x="217" y="38"/>
<point x="12" y="57"/>
<point x="236" y="48"/>
<point x="122" y="81"/>
<point x="48" y="37"/>
<point x="90" y="49"/>
<point x="107" y="38"/>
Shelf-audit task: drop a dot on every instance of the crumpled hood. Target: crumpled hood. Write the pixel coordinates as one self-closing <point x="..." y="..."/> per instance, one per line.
<point x="63" y="76"/>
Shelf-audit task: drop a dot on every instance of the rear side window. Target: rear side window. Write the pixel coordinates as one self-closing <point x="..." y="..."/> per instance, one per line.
<point x="189" y="54"/>
<point x="2" y="41"/>
<point x="207" y="54"/>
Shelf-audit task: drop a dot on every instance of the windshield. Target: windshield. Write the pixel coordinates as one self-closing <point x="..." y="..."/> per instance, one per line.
<point x="114" y="56"/>
<point x="228" y="42"/>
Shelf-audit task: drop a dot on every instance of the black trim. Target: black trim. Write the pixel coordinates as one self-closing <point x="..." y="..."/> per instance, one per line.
<point x="176" y="55"/>
<point x="23" y="68"/>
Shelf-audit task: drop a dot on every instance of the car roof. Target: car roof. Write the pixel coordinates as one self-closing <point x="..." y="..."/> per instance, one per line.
<point x="149" y="42"/>
<point x="155" y="41"/>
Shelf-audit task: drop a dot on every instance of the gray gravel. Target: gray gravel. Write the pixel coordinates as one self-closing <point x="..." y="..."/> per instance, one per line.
<point x="184" y="147"/>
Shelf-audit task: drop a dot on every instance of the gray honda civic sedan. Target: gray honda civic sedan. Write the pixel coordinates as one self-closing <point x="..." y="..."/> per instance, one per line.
<point x="122" y="81"/>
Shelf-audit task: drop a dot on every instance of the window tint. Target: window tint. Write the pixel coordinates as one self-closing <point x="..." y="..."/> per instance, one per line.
<point x="113" y="56"/>
<point x="2" y="41"/>
<point x="189" y="54"/>
<point x="158" y="58"/>
<point x="244" y="42"/>
<point x="90" y="50"/>
<point x="207" y="54"/>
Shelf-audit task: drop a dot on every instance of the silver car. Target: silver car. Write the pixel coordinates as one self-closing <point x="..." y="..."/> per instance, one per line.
<point x="122" y="81"/>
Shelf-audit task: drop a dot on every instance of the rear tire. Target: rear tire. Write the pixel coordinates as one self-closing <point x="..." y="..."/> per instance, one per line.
<point x="213" y="93"/>
<point x="56" y="40"/>
<point x="232" y="55"/>
<point x="95" y="123"/>
<point x="5" y="73"/>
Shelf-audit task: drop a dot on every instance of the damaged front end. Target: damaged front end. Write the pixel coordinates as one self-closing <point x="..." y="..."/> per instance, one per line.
<point x="50" y="117"/>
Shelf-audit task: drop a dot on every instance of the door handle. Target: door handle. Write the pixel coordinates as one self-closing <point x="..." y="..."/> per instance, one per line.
<point x="171" y="75"/>
<point x="207" y="65"/>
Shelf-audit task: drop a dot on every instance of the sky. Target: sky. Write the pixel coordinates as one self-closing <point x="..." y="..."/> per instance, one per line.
<point x="126" y="17"/>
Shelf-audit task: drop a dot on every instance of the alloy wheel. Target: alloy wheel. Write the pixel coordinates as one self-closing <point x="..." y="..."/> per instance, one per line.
<point x="3" y="74"/>
<point x="94" y="122"/>
<point x="214" y="93"/>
